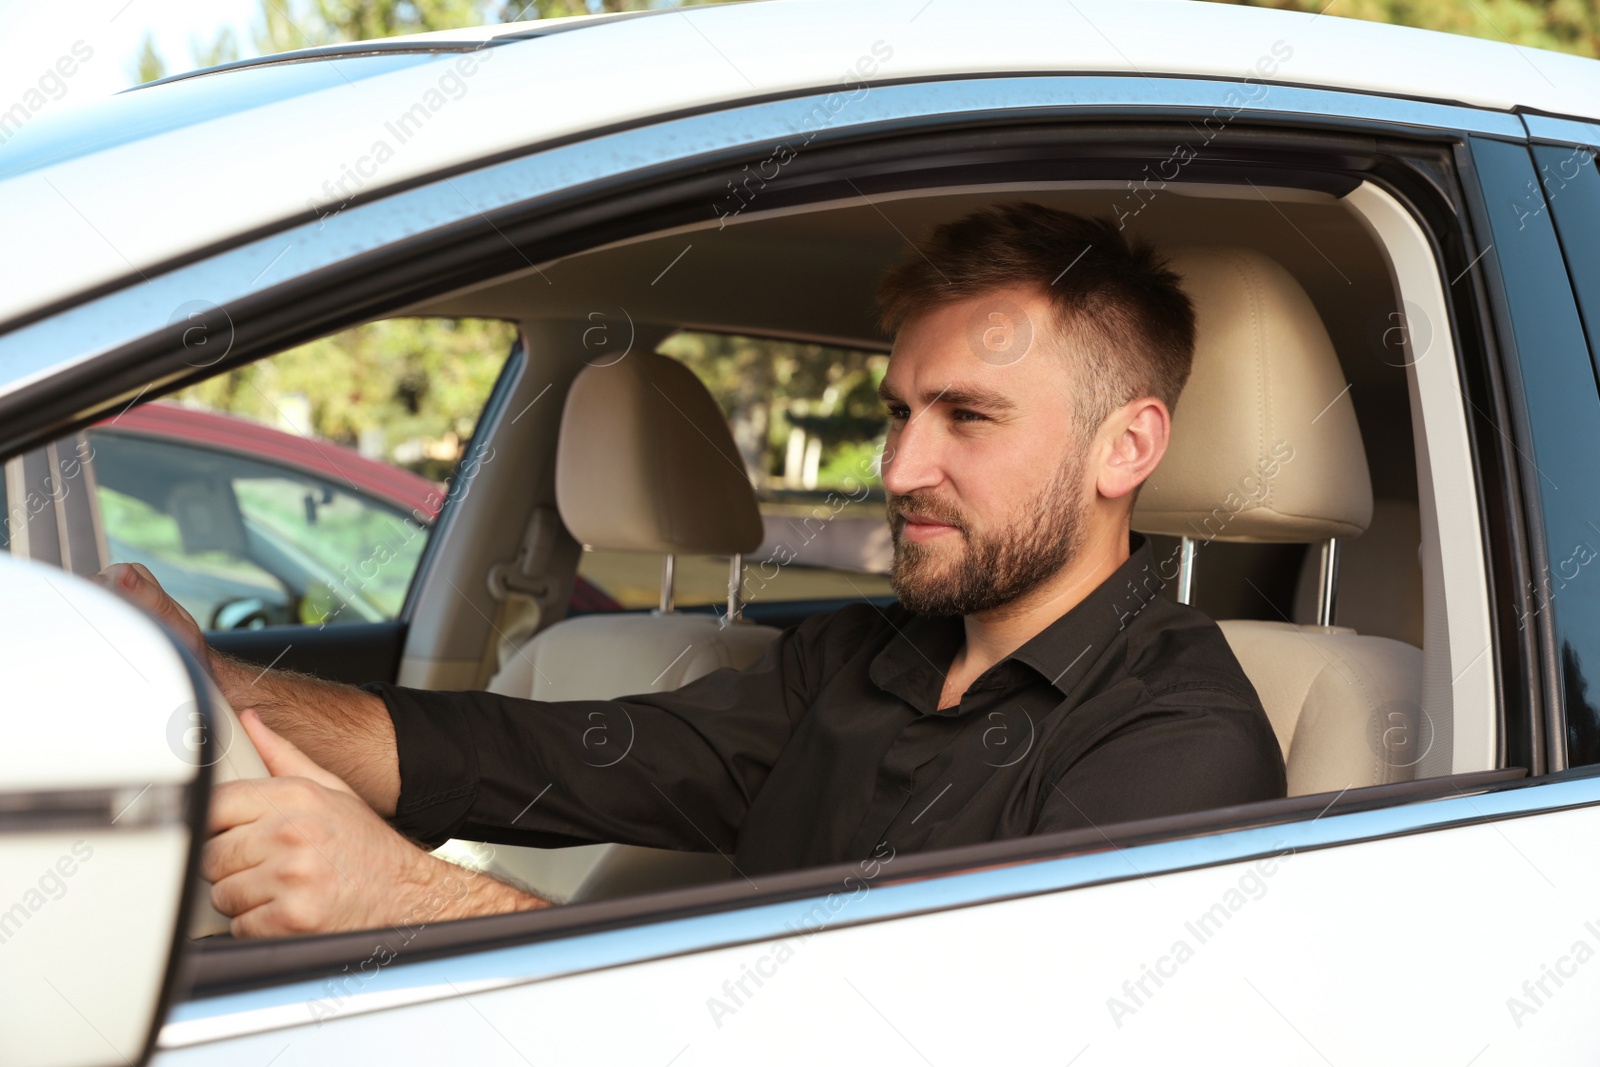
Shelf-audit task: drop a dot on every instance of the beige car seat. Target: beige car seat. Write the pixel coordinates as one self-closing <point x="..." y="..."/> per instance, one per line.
<point x="645" y="463"/>
<point x="1265" y="448"/>
<point x="1380" y="576"/>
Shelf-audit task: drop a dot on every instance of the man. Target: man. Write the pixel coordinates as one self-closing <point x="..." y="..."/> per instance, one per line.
<point x="1024" y="683"/>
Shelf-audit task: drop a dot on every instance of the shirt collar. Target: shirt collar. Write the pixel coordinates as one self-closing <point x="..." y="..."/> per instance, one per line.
<point x="913" y="664"/>
<point x="1064" y="651"/>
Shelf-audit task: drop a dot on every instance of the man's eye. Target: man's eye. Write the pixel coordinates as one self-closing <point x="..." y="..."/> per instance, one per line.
<point x="897" y="412"/>
<point x="970" y="416"/>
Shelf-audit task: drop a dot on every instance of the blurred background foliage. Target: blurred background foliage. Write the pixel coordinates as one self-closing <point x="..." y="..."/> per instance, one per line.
<point x="1559" y="25"/>
<point x="804" y="416"/>
<point x="282" y="25"/>
<point x="406" y="391"/>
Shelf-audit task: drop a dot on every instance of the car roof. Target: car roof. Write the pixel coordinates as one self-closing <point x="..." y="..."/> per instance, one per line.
<point x="461" y="39"/>
<point x="200" y="183"/>
<point x="333" y="463"/>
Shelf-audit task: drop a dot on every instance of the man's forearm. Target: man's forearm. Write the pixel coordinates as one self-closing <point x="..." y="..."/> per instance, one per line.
<point x="342" y="728"/>
<point x="442" y="890"/>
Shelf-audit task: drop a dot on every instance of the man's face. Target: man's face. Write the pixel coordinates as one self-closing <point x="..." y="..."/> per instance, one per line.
<point x="986" y="480"/>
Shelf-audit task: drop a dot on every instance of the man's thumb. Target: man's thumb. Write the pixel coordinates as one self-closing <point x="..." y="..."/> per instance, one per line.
<point x="281" y="756"/>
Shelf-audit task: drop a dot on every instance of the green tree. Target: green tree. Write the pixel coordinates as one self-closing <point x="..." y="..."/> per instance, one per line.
<point x="520" y="10"/>
<point x="1559" y="25"/>
<point x="408" y="391"/>
<point x="148" y="66"/>
<point x="785" y="398"/>
<point x="283" y="25"/>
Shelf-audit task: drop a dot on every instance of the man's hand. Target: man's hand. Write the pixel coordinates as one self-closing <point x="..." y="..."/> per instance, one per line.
<point x="301" y="853"/>
<point x="133" y="581"/>
<point x="340" y="726"/>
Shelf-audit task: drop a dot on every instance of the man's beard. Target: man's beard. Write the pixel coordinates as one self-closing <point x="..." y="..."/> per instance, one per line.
<point x="991" y="570"/>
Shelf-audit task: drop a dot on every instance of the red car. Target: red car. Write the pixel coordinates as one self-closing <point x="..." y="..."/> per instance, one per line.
<point x="249" y="526"/>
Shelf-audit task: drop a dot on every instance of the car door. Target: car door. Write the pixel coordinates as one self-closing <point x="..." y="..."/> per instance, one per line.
<point x="1446" y="920"/>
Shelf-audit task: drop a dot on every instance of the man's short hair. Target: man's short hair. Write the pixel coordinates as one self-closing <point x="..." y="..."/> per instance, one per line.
<point x="1119" y="310"/>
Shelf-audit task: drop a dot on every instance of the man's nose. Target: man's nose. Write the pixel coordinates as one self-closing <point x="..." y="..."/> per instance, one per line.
<point x="911" y="458"/>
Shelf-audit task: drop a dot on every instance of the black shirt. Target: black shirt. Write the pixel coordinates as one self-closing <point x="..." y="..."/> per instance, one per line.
<point x="1128" y="706"/>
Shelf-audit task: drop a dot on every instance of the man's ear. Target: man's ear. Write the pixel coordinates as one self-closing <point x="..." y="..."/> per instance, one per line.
<point x="1133" y="439"/>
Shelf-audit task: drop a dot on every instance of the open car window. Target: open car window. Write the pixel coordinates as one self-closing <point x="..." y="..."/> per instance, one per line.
<point x="1412" y="592"/>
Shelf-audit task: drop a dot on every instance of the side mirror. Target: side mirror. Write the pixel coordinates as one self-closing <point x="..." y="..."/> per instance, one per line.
<point x="103" y="793"/>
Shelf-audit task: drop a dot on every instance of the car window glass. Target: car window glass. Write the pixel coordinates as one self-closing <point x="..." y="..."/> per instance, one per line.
<point x="358" y="553"/>
<point x="1571" y="186"/>
<point x="203" y="580"/>
<point x="807" y="420"/>
<point x="299" y="489"/>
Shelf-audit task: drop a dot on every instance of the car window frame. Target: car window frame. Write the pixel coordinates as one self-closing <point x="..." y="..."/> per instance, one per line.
<point x="495" y="408"/>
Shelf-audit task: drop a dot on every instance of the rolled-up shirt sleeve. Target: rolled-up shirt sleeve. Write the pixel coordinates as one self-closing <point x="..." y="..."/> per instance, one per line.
<point x="669" y="770"/>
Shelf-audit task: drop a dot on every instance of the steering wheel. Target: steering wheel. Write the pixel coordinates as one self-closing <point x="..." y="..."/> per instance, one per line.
<point x="239" y="760"/>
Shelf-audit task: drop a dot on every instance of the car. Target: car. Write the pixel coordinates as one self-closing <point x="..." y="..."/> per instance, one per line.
<point x="1381" y="482"/>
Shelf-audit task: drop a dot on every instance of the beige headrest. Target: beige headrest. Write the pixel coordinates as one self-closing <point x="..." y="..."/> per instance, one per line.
<point x="1264" y="446"/>
<point x="646" y="463"/>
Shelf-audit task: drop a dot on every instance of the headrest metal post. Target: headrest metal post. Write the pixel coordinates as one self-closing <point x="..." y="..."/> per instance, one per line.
<point x="1186" y="571"/>
<point x="1328" y="582"/>
<point x="668" y="568"/>
<point x="735" y="582"/>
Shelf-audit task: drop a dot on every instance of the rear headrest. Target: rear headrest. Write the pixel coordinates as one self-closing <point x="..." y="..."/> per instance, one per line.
<point x="1264" y="445"/>
<point x="646" y="463"/>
